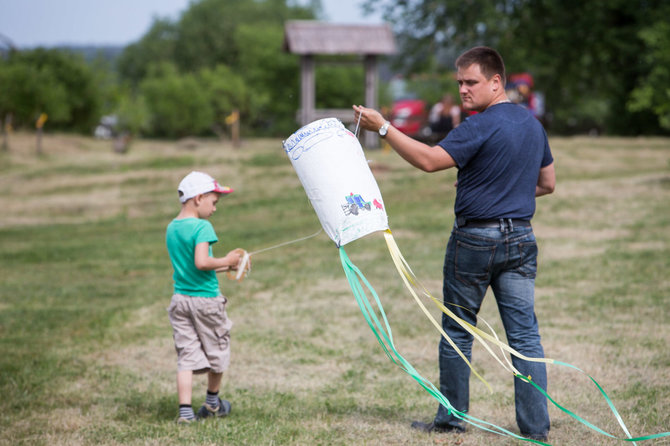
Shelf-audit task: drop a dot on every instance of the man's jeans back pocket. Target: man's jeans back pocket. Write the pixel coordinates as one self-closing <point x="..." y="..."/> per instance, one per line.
<point x="527" y="259"/>
<point x="473" y="263"/>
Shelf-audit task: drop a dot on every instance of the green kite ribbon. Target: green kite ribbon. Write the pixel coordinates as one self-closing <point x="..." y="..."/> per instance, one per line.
<point x="384" y="336"/>
<point x="358" y="283"/>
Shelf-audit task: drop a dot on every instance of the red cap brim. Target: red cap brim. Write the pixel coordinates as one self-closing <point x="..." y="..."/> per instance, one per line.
<point x="221" y="189"/>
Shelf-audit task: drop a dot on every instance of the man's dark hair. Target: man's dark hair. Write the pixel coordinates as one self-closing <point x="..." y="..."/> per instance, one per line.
<point x="488" y="59"/>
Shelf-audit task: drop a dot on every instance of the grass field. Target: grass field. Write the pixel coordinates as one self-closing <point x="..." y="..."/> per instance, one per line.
<point x="86" y="354"/>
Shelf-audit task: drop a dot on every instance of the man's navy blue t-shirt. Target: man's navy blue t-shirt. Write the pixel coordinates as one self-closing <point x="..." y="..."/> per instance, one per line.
<point x="499" y="153"/>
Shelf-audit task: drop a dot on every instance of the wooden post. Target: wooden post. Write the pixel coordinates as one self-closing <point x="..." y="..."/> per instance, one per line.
<point x="7" y="129"/>
<point x="39" y="124"/>
<point x="307" y="90"/>
<point x="233" y="121"/>
<point x="371" y="139"/>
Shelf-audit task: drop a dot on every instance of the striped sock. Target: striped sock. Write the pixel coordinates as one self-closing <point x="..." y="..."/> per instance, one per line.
<point x="186" y="412"/>
<point x="212" y="399"/>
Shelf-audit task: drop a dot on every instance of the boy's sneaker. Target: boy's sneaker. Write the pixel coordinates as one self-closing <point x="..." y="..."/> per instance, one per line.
<point x="221" y="410"/>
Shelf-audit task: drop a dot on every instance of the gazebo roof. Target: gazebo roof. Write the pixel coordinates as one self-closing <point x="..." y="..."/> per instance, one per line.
<point x="306" y="37"/>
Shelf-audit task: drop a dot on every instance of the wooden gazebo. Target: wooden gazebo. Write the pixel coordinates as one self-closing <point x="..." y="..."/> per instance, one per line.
<point x="311" y="38"/>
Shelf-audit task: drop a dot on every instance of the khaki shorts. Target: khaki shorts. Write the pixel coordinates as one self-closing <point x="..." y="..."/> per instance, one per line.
<point x="201" y="332"/>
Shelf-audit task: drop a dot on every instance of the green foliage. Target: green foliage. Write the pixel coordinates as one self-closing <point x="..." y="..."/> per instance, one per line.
<point x="272" y="76"/>
<point x="588" y="58"/>
<point x="207" y="31"/>
<point x="133" y="113"/>
<point x="226" y="91"/>
<point x="54" y="82"/>
<point x="234" y="49"/>
<point x="591" y="52"/>
<point x="601" y="65"/>
<point x="178" y="104"/>
<point x="156" y="46"/>
<point x="652" y="94"/>
<point x="339" y="86"/>
<point x="26" y="91"/>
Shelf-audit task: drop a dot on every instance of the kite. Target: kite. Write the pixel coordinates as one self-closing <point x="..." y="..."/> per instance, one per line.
<point x="334" y="172"/>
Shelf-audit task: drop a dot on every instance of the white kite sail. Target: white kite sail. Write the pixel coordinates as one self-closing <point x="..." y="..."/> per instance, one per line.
<point x="332" y="168"/>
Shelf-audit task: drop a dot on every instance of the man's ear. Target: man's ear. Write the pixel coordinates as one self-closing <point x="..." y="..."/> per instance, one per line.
<point x="197" y="199"/>
<point x="496" y="82"/>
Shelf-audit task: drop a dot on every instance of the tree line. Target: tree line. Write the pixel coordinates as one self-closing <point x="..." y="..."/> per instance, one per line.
<point x="600" y="64"/>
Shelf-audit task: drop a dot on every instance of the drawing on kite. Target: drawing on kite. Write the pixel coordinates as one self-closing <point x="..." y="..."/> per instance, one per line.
<point x="356" y="202"/>
<point x="330" y="164"/>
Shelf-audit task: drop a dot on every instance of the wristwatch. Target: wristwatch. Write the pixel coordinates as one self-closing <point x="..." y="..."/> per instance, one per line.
<point x="383" y="130"/>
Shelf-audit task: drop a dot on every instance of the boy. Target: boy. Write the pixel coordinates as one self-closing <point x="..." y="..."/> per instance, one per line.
<point x="201" y="328"/>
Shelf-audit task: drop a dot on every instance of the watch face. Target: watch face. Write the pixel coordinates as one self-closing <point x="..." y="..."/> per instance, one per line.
<point x="384" y="129"/>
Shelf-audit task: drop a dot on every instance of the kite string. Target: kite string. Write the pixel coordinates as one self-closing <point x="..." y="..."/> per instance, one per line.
<point x="244" y="266"/>
<point x="360" y="115"/>
<point x="286" y="243"/>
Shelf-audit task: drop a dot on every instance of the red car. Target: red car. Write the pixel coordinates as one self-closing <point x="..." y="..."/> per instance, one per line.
<point x="410" y="116"/>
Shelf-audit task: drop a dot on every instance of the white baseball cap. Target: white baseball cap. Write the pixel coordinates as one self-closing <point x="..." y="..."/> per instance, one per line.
<point x="197" y="183"/>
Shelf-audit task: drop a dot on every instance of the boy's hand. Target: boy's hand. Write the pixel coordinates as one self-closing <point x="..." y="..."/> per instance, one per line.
<point x="242" y="266"/>
<point x="234" y="257"/>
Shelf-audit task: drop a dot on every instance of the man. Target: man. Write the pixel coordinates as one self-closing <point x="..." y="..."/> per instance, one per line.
<point x="504" y="162"/>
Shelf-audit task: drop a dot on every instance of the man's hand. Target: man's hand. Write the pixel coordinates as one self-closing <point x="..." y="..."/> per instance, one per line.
<point x="370" y="119"/>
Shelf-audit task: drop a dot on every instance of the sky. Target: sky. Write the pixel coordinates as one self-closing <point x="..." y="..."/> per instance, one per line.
<point x="31" y="23"/>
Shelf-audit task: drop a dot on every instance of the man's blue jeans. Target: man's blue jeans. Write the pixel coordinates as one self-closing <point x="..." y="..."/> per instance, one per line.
<point x="504" y="258"/>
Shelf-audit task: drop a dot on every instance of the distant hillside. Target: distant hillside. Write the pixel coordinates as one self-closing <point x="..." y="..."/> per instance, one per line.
<point x="92" y="52"/>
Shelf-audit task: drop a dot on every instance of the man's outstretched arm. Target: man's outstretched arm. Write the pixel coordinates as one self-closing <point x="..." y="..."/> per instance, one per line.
<point x="420" y="155"/>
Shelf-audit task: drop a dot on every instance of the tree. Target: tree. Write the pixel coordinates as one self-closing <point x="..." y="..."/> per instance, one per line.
<point x="340" y="84"/>
<point x="585" y="56"/>
<point x="226" y="92"/>
<point x="272" y="77"/>
<point x="27" y="91"/>
<point x="588" y="53"/>
<point x="52" y="82"/>
<point x="245" y="36"/>
<point x="206" y="32"/>
<point x="652" y="93"/>
<point x="132" y="111"/>
<point x="155" y="47"/>
<point x="178" y="105"/>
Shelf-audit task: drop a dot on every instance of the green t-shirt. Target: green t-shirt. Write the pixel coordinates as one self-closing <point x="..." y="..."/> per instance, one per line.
<point x="181" y="237"/>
